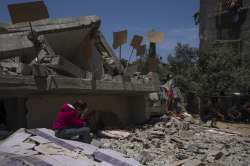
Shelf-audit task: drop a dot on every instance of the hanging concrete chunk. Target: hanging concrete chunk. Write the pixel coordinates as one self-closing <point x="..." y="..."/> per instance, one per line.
<point x="13" y="45"/>
<point x="62" y="65"/>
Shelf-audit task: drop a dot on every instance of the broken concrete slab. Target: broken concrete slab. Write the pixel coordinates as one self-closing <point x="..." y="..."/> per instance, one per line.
<point x="51" y="153"/>
<point x="16" y="44"/>
<point x="17" y="138"/>
<point x="52" y="25"/>
<point x="67" y="161"/>
<point x="61" y="64"/>
<point x="19" y="160"/>
<point x="60" y="83"/>
<point x="87" y="149"/>
<point x="39" y="139"/>
<point x="55" y="32"/>
<point x="114" y="158"/>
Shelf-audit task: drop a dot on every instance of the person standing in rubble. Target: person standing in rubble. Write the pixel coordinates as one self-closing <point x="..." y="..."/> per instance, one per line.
<point x="70" y="123"/>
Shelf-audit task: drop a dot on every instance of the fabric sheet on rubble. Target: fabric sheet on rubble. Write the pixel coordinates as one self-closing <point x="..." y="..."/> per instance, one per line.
<point x="172" y="96"/>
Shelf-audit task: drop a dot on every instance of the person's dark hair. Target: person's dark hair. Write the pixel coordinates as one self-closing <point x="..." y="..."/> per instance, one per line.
<point x="79" y="105"/>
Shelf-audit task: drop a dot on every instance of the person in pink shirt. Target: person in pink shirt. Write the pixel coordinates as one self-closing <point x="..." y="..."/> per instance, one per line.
<point x="69" y="123"/>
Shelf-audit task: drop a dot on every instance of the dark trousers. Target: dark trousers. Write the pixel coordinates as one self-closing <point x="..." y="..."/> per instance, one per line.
<point x="68" y="133"/>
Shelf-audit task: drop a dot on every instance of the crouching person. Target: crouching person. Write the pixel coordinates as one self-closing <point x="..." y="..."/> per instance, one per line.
<point x="69" y="123"/>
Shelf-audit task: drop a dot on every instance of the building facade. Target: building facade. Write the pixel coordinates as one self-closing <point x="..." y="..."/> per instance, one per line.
<point x="225" y="26"/>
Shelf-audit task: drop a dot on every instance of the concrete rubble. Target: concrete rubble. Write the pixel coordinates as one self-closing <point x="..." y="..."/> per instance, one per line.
<point x="174" y="142"/>
<point x="166" y="141"/>
<point x="62" y="60"/>
<point x="41" y="147"/>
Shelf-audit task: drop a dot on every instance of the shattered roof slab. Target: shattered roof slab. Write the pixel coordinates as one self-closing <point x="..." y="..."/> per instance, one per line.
<point x="16" y="44"/>
<point x="52" y="25"/>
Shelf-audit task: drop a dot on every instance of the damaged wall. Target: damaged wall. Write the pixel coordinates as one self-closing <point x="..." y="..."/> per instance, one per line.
<point x="42" y="109"/>
<point x="71" y="38"/>
<point x="224" y="28"/>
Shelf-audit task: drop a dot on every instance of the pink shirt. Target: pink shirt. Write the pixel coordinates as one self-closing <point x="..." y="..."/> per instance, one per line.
<point x="68" y="117"/>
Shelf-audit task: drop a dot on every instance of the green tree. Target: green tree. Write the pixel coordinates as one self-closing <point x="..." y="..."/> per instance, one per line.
<point x="184" y="67"/>
<point x="224" y="71"/>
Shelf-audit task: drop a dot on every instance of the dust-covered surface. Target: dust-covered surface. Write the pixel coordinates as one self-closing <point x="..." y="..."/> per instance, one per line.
<point x="40" y="147"/>
<point x="170" y="140"/>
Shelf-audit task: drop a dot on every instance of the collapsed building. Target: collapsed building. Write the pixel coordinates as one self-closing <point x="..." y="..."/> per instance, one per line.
<point x="62" y="60"/>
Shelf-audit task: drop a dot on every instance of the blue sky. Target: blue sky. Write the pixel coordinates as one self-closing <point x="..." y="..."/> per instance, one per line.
<point x="173" y="17"/>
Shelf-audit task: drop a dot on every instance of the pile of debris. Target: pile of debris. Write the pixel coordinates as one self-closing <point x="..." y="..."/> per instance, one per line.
<point x="175" y="142"/>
